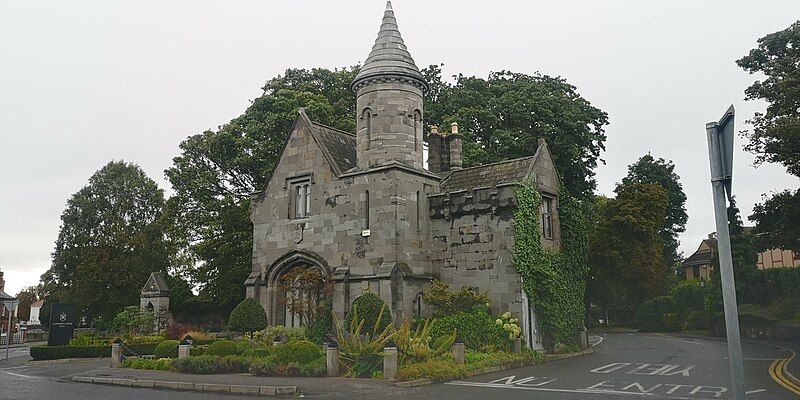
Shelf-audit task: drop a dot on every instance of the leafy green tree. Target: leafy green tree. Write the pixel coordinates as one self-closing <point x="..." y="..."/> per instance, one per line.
<point x="249" y="316"/>
<point x="109" y="243"/>
<point x="626" y="250"/>
<point x="217" y="171"/>
<point x="26" y="297"/>
<point x="777" y="222"/>
<point x="503" y="117"/>
<point x="662" y="173"/>
<point x="132" y="321"/>
<point x="776" y="134"/>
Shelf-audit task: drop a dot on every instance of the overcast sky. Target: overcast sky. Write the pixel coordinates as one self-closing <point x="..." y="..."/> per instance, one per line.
<point x="83" y="83"/>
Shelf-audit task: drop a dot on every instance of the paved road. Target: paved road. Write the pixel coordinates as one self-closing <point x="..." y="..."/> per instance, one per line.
<point x="623" y="366"/>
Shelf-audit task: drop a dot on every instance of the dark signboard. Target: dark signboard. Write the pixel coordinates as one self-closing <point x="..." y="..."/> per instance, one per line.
<point x="62" y="324"/>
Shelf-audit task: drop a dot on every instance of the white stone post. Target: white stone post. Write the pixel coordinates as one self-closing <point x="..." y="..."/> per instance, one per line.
<point x="332" y="359"/>
<point x="184" y="349"/>
<point x="458" y="352"/>
<point x="390" y="362"/>
<point x="116" y="354"/>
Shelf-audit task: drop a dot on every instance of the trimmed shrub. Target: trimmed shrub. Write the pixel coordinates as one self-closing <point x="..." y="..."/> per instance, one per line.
<point x="61" y="352"/>
<point x="299" y="351"/>
<point x="477" y="329"/>
<point x="223" y="348"/>
<point x="249" y="316"/>
<point x="368" y="307"/>
<point x="161" y="364"/>
<point x="316" y="368"/>
<point x="649" y="315"/>
<point x="167" y="348"/>
<point x="196" y="365"/>
<point x="432" y="369"/>
<point x="671" y="322"/>
<point x="697" y="320"/>
<point x="688" y="297"/>
<point x="263" y="367"/>
<point x="258" y="353"/>
<point x="243" y="346"/>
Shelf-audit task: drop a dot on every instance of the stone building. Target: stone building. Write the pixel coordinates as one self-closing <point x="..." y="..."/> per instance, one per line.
<point x="364" y="207"/>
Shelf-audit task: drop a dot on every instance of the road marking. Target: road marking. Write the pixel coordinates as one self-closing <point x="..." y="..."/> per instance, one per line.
<point x="662" y="337"/>
<point x="649" y="369"/>
<point x="21" y="376"/>
<point x="756" y="391"/>
<point x="21" y="366"/>
<point x="776" y="372"/>
<point x="594" y="340"/>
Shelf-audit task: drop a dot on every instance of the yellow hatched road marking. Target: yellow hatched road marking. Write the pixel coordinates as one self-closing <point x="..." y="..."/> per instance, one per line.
<point x="776" y="372"/>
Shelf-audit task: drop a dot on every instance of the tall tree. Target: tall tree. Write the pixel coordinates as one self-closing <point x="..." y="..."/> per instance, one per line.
<point x="26" y="297"/>
<point x="776" y="133"/>
<point x="217" y="171"/>
<point x="503" y="117"/>
<point x="626" y="251"/>
<point x="662" y="173"/>
<point x="109" y="242"/>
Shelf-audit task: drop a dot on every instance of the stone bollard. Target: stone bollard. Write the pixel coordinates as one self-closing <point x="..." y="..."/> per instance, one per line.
<point x="184" y="349"/>
<point x="332" y="359"/>
<point x="116" y="354"/>
<point x="517" y="346"/>
<point x="583" y="339"/>
<point x="458" y="352"/>
<point x="390" y="362"/>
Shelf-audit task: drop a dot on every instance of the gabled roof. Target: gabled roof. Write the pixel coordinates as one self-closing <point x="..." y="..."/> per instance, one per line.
<point x="699" y="257"/>
<point x="338" y="146"/>
<point x="488" y="175"/>
<point x="37" y="303"/>
<point x="155" y="283"/>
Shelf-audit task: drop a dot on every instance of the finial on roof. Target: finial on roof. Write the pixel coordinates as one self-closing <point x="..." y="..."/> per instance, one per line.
<point x="389" y="56"/>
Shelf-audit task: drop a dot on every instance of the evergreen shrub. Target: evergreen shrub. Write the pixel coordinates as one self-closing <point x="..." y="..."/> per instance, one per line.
<point x="649" y="315"/>
<point x="249" y="316"/>
<point x="477" y="329"/>
<point x="167" y="348"/>
<point x="299" y="351"/>
<point x="222" y="348"/>
<point x="369" y="308"/>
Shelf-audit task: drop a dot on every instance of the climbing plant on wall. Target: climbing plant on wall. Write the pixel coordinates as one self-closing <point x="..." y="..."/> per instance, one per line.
<point x="554" y="282"/>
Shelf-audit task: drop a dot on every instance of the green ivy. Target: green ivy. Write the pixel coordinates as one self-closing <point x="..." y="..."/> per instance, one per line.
<point x="554" y="282"/>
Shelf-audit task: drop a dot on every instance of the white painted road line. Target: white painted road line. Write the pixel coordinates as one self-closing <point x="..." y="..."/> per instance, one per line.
<point x="594" y="340"/>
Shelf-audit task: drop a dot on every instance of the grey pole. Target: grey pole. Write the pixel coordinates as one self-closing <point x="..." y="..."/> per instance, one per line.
<point x="8" y="334"/>
<point x="718" y="179"/>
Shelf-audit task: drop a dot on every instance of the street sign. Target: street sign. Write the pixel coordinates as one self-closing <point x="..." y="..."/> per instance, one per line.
<point x="723" y="147"/>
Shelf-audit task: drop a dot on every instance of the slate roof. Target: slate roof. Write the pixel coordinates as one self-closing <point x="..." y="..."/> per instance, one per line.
<point x="700" y="257"/>
<point x="339" y="145"/>
<point x="504" y="172"/>
<point x="389" y="55"/>
<point x="155" y="283"/>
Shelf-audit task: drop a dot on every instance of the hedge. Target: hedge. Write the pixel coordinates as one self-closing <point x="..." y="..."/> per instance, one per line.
<point x="60" y="352"/>
<point x="477" y="329"/>
<point x="650" y="315"/>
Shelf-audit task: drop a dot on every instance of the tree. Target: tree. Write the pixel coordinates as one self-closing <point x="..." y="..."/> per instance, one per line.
<point x="776" y="134"/>
<point x="26" y="297"/>
<point x="662" y="173"/>
<point x="626" y="250"/>
<point x="109" y="242"/>
<point x="213" y="177"/>
<point x="306" y="290"/>
<point x="776" y="222"/>
<point x="249" y="316"/>
<point x="503" y="117"/>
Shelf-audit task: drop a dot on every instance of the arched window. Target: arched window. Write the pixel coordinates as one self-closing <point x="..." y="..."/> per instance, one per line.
<point x="417" y="129"/>
<point x="302" y="200"/>
<point x="366" y="116"/>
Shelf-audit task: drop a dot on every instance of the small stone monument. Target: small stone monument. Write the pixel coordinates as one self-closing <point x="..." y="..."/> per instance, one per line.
<point x="155" y="298"/>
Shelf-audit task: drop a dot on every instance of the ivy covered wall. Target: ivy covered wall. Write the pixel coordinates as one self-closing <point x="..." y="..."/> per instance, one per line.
<point x="554" y="282"/>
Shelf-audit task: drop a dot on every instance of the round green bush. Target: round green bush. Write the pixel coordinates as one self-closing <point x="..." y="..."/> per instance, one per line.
<point x="368" y="307"/>
<point x="649" y="315"/>
<point x="248" y="316"/>
<point x="167" y="348"/>
<point x="222" y="348"/>
<point x="477" y="330"/>
<point x="299" y="351"/>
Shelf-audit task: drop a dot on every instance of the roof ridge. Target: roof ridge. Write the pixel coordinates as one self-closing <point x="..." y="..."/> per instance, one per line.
<point x="495" y="163"/>
<point x="332" y="128"/>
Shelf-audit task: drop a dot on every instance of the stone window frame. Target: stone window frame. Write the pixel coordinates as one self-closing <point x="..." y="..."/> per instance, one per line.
<point x="300" y="196"/>
<point x="417" y="115"/>
<point x="366" y="116"/>
<point x="548" y="202"/>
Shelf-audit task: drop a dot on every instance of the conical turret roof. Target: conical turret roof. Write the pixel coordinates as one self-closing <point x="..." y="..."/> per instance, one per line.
<point x="389" y="56"/>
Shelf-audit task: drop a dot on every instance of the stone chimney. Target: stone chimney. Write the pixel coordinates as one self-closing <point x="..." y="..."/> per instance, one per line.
<point x="454" y="140"/>
<point x="2" y="282"/>
<point x="435" y="142"/>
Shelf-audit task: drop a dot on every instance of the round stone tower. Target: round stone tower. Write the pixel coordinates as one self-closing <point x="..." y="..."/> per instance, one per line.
<point x="388" y="92"/>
